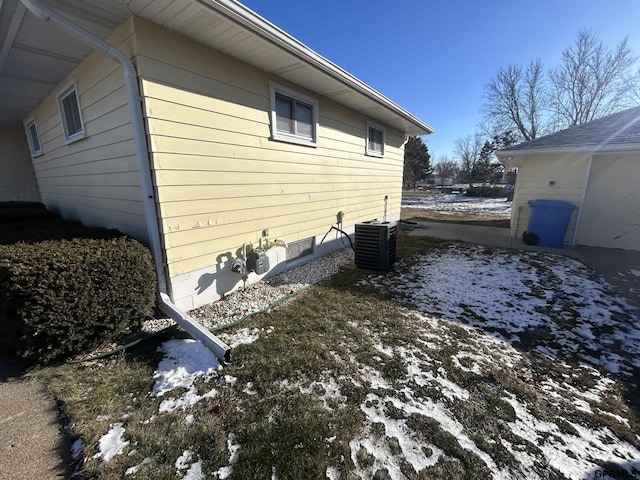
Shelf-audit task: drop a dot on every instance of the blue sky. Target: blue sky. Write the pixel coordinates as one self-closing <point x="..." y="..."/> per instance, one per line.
<point x="434" y="57"/>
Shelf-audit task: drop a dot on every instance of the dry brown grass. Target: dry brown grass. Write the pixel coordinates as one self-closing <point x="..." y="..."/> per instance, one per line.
<point x="422" y="215"/>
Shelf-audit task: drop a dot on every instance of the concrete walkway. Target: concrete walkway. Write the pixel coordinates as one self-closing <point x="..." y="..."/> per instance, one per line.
<point x="621" y="268"/>
<point x="31" y="445"/>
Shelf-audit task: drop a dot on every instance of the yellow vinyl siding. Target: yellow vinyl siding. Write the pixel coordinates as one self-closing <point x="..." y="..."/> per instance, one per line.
<point x="211" y="165"/>
<point x="220" y="179"/>
<point x="226" y="238"/>
<point x="171" y="210"/>
<point x="94" y="180"/>
<point x="178" y="194"/>
<point x="567" y="171"/>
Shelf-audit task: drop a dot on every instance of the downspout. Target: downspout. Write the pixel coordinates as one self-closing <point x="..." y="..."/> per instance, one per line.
<point x="43" y="12"/>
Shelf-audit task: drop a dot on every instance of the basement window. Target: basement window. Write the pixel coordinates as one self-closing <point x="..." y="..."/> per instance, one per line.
<point x="33" y="138"/>
<point x="70" y="114"/>
<point x="375" y="140"/>
<point x="294" y="117"/>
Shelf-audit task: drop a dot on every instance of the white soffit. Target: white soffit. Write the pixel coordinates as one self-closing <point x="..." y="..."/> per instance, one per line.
<point x="235" y="30"/>
<point x="41" y="55"/>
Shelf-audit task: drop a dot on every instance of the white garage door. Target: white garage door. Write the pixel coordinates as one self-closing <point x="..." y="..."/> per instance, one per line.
<point x="611" y="211"/>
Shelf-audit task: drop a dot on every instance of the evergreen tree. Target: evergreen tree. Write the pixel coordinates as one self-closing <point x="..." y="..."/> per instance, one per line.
<point x="487" y="165"/>
<point x="417" y="162"/>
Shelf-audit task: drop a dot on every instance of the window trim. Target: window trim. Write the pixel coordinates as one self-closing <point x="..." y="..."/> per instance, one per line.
<point x="368" y="150"/>
<point x="27" y="127"/>
<point x="299" y="97"/>
<point x="63" y="93"/>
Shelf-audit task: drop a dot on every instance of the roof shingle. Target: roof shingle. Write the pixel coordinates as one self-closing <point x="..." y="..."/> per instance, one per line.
<point x="612" y="132"/>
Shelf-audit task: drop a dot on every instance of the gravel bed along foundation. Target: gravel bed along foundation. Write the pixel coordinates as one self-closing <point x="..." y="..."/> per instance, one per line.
<point x="260" y="295"/>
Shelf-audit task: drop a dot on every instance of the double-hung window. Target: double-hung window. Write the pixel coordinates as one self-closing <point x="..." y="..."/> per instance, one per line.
<point x="375" y="140"/>
<point x="33" y="138"/>
<point x="70" y="114"/>
<point x="294" y="117"/>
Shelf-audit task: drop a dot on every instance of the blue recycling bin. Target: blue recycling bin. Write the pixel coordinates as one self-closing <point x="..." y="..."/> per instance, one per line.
<point x="549" y="221"/>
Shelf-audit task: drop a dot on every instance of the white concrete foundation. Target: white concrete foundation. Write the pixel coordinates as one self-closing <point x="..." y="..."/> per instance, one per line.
<point x="197" y="288"/>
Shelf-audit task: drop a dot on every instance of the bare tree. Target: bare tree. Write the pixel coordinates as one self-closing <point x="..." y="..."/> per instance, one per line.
<point x="592" y="81"/>
<point x="467" y="150"/>
<point x="635" y="89"/>
<point x="516" y="100"/>
<point x="446" y="168"/>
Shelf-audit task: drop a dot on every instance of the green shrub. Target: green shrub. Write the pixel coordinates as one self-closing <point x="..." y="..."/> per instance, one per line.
<point x="33" y="231"/>
<point x="59" y="298"/>
<point x="11" y="212"/>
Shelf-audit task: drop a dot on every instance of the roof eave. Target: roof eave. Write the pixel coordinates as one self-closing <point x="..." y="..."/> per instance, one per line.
<point x="239" y="13"/>
<point x="573" y="149"/>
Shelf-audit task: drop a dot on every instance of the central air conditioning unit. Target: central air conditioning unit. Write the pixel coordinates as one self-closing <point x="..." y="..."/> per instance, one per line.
<point x="375" y="245"/>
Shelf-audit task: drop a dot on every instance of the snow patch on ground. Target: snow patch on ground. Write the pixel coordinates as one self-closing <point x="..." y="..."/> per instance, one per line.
<point x="460" y="204"/>
<point x="324" y="390"/>
<point x="111" y="443"/>
<point x="134" y="470"/>
<point x="244" y="336"/>
<point x="194" y="472"/>
<point x="502" y="300"/>
<point x="234" y="452"/>
<point x="519" y="294"/>
<point x="184" y="362"/>
<point x="586" y="444"/>
<point x="193" y="469"/>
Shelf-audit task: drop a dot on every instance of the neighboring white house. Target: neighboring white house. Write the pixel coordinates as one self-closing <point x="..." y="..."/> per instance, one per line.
<point x="209" y="129"/>
<point x="596" y="167"/>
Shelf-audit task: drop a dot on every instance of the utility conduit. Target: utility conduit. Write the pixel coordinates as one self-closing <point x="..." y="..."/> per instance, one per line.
<point x="43" y="12"/>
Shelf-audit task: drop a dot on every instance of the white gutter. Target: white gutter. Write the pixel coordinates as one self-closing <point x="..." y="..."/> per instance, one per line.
<point x="36" y="7"/>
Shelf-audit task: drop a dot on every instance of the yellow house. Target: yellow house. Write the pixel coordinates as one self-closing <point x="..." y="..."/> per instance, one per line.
<point x="197" y="127"/>
<point x="595" y="167"/>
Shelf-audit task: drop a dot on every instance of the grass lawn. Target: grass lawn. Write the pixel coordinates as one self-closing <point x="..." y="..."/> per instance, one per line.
<point x="469" y="217"/>
<point x="464" y="363"/>
<point x="421" y="215"/>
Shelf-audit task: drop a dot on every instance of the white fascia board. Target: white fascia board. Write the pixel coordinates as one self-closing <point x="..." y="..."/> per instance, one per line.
<point x="634" y="147"/>
<point x="246" y="17"/>
<point x="14" y="28"/>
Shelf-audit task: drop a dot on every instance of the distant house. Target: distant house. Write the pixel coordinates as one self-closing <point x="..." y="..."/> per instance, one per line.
<point x="237" y="134"/>
<point x="596" y="167"/>
<point x="443" y="182"/>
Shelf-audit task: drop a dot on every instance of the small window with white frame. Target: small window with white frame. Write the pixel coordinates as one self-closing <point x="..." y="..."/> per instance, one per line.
<point x="70" y="113"/>
<point x="294" y="117"/>
<point x="376" y="137"/>
<point x="33" y="138"/>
